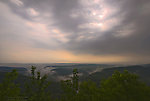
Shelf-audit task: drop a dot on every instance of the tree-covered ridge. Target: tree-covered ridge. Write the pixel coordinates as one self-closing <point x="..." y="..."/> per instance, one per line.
<point x="123" y="86"/>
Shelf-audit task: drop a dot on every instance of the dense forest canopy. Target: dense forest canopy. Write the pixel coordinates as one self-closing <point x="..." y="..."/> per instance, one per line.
<point x="121" y="86"/>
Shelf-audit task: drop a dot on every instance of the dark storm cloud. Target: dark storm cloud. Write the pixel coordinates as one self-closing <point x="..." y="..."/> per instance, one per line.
<point x="17" y="9"/>
<point x="135" y="16"/>
<point x="60" y="10"/>
<point x="136" y="13"/>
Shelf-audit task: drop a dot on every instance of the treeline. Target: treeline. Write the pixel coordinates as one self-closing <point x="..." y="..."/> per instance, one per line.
<point x="119" y="87"/>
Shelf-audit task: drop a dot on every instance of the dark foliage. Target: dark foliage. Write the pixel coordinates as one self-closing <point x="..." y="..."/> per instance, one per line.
<point x="123" y="86"/>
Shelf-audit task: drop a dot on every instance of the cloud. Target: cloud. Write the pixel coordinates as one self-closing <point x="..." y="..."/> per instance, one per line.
<point x="17" y="2"/>
<point x="130" y="37"/>
<point x="103" y="28"/>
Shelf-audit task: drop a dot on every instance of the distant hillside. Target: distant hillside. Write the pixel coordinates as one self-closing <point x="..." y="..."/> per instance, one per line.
<point x="9" y="69"/>
<point x="142" y="70"/>
<point x="5" y="69"/>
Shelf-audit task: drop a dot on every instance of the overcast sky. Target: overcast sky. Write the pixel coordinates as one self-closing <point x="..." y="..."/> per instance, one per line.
<point x="75" y="31"/>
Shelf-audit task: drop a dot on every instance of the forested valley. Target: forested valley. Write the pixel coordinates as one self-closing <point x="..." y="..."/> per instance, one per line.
<point x="121" y="86"/>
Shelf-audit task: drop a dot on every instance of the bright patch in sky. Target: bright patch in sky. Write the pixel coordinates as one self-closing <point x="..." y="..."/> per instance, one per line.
<point x="32" y="12"/>
<point x="100" y="16"/>
<point x="17" y="2"/>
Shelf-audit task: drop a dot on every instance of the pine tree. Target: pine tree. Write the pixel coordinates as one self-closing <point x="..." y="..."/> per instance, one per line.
<point x="36" y="87"/>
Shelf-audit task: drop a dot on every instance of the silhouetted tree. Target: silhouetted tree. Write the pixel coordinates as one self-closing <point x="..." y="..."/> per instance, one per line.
<point x="36" y="88"/>
<point x="8" y="88"/>
<point x="119" y="87"/>
<point x="124" y="87"/>
<point x="70" y="87"/>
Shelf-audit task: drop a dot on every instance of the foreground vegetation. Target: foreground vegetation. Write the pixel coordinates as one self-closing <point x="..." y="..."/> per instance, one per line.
<point x="119" y="87"/>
